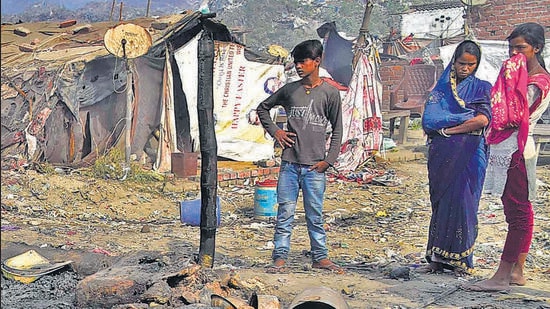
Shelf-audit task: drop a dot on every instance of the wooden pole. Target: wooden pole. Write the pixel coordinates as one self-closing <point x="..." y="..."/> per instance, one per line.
<point x="363" y="30"/>
<point x="112" y="10"/>
<point x="129" y="103"/>
<point x="129" y="108"/>
<point x="148" y="7"/>
<point x="209" y="150"/>
<point x="120" y="11"/>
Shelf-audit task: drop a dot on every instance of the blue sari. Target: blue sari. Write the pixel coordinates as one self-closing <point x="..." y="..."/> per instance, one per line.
<point x="456" y="168"/>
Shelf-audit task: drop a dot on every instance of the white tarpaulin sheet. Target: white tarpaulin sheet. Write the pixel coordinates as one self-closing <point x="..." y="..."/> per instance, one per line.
<point x="239" y="86"/>
<point x="493" y="53"/>
<point x="361" y="116"/>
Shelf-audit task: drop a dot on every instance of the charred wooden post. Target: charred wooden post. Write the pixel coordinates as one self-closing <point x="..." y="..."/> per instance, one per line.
<point x="209" y="150"/>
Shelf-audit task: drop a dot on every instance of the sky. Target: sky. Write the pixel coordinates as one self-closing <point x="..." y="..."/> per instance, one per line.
<point x="10" y="7"/>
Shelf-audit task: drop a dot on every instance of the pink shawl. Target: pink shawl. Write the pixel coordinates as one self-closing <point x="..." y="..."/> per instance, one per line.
<point x="510" y="108"/>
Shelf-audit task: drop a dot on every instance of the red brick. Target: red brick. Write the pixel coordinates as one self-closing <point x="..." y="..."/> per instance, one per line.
<point x="244" y="174"/>
<point x="106" y="288"/>
<point x="496" y="20"/>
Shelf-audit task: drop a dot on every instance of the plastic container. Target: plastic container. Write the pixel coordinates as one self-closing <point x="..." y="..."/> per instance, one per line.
<point x="265" y="199"/>
<point x="190" y="212"/>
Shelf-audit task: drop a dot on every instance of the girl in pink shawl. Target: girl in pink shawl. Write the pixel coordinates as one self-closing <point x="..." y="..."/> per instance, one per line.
<point x="518" y="99"/>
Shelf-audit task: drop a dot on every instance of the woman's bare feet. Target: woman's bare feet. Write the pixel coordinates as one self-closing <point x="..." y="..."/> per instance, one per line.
<point x="490" y="285"/>
<point x="459" y="272"/>
<point x="431" y="268"/>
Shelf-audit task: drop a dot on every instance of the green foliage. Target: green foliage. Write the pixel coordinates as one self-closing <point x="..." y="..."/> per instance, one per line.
<point x="288" y="22"/>
<point x="113" y="166"/>
<point x="415" y="124"/>
<point x="109" y="166"/>
<point x="266" y="22"/>
<point x="45" y="168"/>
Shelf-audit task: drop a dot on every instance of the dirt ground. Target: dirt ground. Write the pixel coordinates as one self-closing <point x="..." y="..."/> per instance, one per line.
<point x="373" y="231"/>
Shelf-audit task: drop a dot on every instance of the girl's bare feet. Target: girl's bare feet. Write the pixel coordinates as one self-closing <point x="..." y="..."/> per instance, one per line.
<point x="518" y="279"/>
<point x="490" y="285"/>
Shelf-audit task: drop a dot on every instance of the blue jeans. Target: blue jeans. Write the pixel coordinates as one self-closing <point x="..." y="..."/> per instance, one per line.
<point x="292" y="178"/>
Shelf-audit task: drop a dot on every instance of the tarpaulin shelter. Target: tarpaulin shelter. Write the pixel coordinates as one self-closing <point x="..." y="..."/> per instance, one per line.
<point x="493" y="53"/>
<point x="400" y="47"/>
<point x="64" y="98"/>
<point x="338" y="53"/>
<point x="425" y="27"/>
<point x="361" y="95"/>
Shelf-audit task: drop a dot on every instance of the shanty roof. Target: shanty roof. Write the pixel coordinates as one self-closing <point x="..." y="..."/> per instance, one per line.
<point x="59" y="74"/>
<point x="441" y="5"/>
<point x="54" y="44"/>
<point x="45" y="63"/>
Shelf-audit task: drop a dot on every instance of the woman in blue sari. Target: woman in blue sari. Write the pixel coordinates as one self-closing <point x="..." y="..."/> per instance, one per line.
<point x="456" y="114"/>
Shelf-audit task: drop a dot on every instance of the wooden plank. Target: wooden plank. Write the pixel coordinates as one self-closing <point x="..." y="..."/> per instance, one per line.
<point x="67" y="23"/>
<point x="542" y="129"/>
<point x="26" y="48"/>
<point x="21" y="31"/>
<point x="395" y="113"/>
<point x="541" y="135"/>
<point x="404" y="117"/>
<point x="83" y="29"/>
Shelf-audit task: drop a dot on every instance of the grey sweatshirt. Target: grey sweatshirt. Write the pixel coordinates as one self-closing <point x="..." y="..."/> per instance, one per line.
<point x="308" y="115"/>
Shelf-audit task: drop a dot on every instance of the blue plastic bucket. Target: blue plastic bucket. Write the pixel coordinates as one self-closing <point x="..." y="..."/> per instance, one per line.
<point x="190" y="212"/>
<point x="265" y="199"/>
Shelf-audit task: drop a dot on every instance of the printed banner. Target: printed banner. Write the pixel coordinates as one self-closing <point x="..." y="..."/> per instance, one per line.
<point x="239" y="86"/>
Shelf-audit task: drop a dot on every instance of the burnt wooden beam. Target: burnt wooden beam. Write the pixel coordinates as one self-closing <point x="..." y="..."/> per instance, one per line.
<point x="208" y="148"/>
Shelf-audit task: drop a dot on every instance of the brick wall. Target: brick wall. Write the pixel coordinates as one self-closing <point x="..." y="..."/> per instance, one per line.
<point x="492" y="21"/>
<point x="496" y="18"/>
<point x="390" y="75"/>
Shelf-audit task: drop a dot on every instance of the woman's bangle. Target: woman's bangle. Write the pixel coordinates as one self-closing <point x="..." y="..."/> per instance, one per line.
<point x="443" y="133"/>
